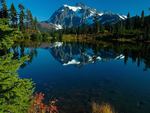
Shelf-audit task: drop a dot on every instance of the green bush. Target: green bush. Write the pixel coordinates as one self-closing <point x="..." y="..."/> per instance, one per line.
<point x="15" y="93"/>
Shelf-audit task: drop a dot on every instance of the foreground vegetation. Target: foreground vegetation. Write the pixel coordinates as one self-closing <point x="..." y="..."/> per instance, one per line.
<point x="15" y="93"/>
<point x="103" y="108"/>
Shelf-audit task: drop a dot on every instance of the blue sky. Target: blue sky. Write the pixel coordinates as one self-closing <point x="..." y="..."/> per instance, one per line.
<point x="43" y="9"/>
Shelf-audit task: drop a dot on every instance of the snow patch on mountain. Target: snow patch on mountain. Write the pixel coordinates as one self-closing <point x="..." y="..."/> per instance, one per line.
<point x="122" y="17"/>
<point x="73" y="8"/>
<point x="57" y="26"/>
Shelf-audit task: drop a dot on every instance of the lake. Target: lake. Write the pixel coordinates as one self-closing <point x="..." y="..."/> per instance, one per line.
<point x="79" y="73"/>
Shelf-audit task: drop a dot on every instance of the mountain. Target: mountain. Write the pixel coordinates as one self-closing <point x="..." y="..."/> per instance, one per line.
<point x="73" y="16"/>
<point x="47" y="27"/>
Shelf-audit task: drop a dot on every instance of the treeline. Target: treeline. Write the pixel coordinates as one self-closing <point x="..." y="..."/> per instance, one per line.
<point x="21" y="20"/>
<point x="136" y="28"/>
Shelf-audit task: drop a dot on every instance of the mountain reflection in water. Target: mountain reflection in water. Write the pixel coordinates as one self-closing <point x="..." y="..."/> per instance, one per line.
<point x="76" y="54"/>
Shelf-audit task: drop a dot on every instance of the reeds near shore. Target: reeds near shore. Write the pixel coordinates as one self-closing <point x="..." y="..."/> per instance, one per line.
<point x="103" y="108"/>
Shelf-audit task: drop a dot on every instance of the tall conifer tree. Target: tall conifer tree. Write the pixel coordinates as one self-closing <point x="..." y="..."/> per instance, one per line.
<point x="21" y="17"/>
<point x="13" y="16"/>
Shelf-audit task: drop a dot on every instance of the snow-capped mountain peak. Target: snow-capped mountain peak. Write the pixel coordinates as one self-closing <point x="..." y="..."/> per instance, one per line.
<point x="74" y="16"/>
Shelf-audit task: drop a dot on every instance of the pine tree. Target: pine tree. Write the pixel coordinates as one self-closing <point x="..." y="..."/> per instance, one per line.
<point x="136" y="22"/>
<point x="1" y="13"/>
<point x="35" y="22"/>
<point x="6" y="36"/>
<point x="4" y="11"/>
<point x="15" y="92"/>
<point x="121" y="27"/>
<point x="142" y="19"/>
<point x="128" y="15"/>
<point x="96" y="23"/>
<point x="29" y="20"/>
<point x="128" y="22"/>
<point x="21" y="17"/>
<point x="13" y="16"/>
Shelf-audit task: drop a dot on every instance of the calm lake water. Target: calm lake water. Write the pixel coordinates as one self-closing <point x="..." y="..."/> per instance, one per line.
<point x="79" y="73"/>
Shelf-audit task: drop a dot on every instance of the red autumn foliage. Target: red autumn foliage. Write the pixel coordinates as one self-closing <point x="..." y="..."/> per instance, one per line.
<point x="38" y="106"/>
